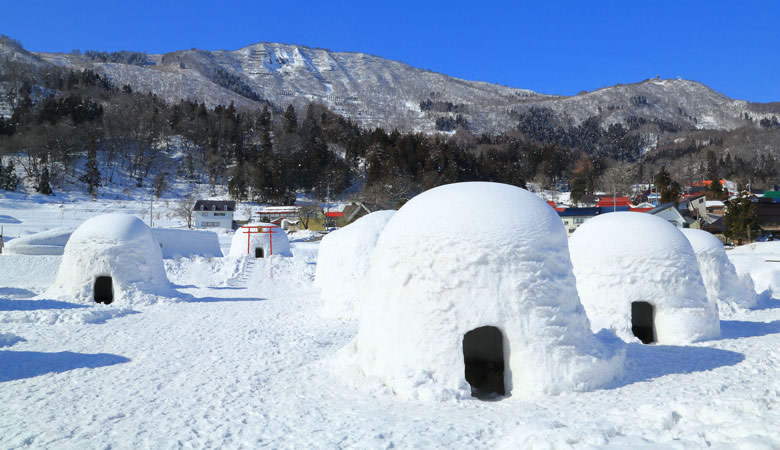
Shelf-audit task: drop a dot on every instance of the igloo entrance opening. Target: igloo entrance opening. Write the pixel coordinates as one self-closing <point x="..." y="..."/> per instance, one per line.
<point x="259" y="252"/>
<point x="104" y="290"/>
<point x="483" y="355"/>
<point x="642" y="321"/>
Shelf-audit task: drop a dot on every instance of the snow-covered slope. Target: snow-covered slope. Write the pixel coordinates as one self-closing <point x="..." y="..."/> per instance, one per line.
<point x="374" y="91"/>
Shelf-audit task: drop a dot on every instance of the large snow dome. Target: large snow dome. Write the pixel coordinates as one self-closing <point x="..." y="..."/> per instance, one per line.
<point x="112" y="258"/>
<point x="470" y="291"/>
<point x="720" y="277"/>
<point x="254" y="239"/>
<point x="342" y="263"/>
<point x="638" y="276"/>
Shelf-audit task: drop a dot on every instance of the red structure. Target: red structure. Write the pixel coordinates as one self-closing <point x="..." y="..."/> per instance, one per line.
<point x="260" y="229"/>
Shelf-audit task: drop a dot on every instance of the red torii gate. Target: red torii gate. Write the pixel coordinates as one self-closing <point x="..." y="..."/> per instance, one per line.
<point x="261" y="229"/>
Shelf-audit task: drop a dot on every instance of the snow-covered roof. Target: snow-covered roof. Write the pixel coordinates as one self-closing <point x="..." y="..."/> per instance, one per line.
<point x="439" y="272"/>
<point x="342" y="263"/>
<point x="626" y="257"/>
<point x="119" y="246"/>
<point x="724" y="286"/>
<point x="271" y="238"/>
<point x="715" y="203"/>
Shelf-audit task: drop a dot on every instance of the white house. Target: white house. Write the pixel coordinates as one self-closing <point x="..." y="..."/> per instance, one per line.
<point x="214" y="214"/>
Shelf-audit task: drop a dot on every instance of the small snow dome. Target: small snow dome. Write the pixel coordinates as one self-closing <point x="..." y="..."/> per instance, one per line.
<point x="638" y="276"/>
<point x="470" y="292"/>
<point x="260" y="240"/>
<point x="342" y="263"/>
<point x="112" y="259"/>
<point x="720" y="277"/>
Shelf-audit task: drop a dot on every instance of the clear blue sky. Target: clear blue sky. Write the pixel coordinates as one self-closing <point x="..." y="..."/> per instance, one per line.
<point x="550" y="47"/>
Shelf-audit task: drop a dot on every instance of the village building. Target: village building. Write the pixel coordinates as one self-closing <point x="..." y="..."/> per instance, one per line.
<point x="214" y="213"/>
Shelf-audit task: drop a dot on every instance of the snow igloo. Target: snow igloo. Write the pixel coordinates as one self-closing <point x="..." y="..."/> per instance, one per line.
<point x="723" y="285"/>
<point x="112" y="259"/>
<point x="637" y="275"/>
<point x="470" y="292"/>
<point x="342" y="264"/>
<point x="260" y="240"/>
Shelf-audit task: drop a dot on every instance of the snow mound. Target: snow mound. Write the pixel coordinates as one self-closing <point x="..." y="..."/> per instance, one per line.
<point x="440" y="271"/>
<point x="280" y="243"/>
<point x="28" y="271"/>
<point x="50" y="242"/>
<point x="625" y="257"/>
<point x="343" y="262"/>
<point x="720" y="277"/>
<point x="119" y="246"/>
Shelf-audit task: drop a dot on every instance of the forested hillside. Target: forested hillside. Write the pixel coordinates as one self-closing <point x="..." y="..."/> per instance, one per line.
<point x="66" y="128"/>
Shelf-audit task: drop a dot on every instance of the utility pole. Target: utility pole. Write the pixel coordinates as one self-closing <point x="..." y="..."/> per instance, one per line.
<point x="151" y="211"/>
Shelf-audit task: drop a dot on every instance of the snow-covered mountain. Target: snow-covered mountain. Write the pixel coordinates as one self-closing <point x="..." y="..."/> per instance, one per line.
<point x="379" y="92"/>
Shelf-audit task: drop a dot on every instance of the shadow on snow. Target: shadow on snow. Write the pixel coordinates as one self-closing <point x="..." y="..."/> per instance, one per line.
<point x="222" y="299"/>
<point x="20" y="365"/>
<point x="647" y="362"/>
<point x="34" y="305"/>
<point x="16" y="292"/>
<point x="733" y="329"/>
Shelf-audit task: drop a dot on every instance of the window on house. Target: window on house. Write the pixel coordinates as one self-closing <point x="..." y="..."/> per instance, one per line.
<point x="213" y="207"/>
<point x="579" y="220"/>
<point x="219" y="214"/>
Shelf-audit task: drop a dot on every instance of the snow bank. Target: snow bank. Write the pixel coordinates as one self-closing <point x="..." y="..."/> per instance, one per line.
<point x="119" y="246"/>
<point x="342" y="264"/>
<point x="238" y="245"/>
<point x="761" y="261"/>
<point x="28" y="271"/>
<point x="439" y="271"/>
<point x="50" y="242"/>
<point x="625" y="257"/>
<point x="187" y="243"/>
<point x="720" y="277"/>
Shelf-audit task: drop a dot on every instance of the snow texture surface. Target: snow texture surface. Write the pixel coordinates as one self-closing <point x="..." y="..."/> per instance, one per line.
<point x="238" y="245"/>
<point x="343" y="261"/>
<point x="120" y="246"/>
<point x="625" y="257"/>
<point x="439" y="271"/>
<point x="724" y="286"/>
<point x="187" y="243"/>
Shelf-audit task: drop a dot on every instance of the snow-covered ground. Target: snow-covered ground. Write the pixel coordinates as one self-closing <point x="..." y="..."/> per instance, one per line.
<point x="244" y="360"/>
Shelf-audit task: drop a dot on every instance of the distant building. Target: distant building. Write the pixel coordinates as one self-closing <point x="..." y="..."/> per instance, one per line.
<point x="572" y="218"/>
<point x="214" y="214"/>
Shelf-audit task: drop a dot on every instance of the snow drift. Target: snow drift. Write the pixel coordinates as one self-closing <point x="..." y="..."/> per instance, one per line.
<point x="440" y="272"/>
<point x="115" y="252"/>
<point x="720" y="277"/>
<point x="259" y="243"/>
<point x="50" y="242"/>
<point x="626" y="259"/>
<point x="342" y="264"/>
<point x="187" y="243"/>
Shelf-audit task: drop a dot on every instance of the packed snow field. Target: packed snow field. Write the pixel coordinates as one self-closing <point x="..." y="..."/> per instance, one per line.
<point x="243" y="356"/>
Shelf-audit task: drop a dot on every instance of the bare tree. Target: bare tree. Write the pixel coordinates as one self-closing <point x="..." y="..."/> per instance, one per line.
<point x="305" y="213"/>
<point x="618" y="178"/>
<point x="183" y="209"/>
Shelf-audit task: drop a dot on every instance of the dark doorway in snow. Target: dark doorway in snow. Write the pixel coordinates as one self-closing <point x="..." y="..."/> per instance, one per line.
<point x="642" y="322"/>
<point x="259" y="252"/>
<point x="104" y="290"/>
<point x="483" y="355"/>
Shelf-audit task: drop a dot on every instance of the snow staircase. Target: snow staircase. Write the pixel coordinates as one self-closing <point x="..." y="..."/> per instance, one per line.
<point x="243" y="277"/>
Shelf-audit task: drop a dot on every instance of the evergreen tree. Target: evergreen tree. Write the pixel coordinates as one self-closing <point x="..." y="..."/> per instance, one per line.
<point x="44" y="187"/>
<point x="741" y="218"/>
<point x="290" y="120"/>
<point x="8" y="178"/>
<point x="92" y="175"/>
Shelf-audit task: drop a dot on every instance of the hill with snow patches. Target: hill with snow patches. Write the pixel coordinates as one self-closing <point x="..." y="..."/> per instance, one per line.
<point x="374" y="91"/>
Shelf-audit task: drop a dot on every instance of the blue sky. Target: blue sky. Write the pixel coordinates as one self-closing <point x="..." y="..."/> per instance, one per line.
<point x="550" y="47"/>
